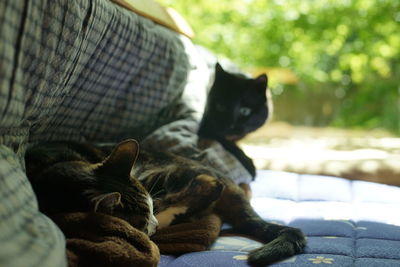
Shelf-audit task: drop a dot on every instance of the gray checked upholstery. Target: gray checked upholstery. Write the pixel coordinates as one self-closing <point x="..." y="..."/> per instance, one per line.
<point x="87" y="71"/>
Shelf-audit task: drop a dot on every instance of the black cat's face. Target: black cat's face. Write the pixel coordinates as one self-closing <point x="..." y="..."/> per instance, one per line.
<point x="119" y="194"/>
<point x="236" y="105"/>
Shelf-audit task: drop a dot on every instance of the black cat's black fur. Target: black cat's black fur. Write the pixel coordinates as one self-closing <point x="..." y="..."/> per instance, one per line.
<point x="72" y="177"/>
<point x="236" y="105"/>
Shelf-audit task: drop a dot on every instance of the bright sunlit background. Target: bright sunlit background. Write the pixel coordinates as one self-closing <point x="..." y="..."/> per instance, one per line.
<point x="344" y="54"/>
<point x="331" y="63"/>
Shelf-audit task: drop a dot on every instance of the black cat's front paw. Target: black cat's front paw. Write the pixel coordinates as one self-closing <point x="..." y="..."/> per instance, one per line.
<point x="239" y="154"/>
<point x="248" y="164"/>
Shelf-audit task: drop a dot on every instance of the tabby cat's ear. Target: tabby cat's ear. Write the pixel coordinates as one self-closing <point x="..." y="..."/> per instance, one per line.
<point x="122" y="158"/>
<point x="262" y="80"/>
<point x="106" y="202"/>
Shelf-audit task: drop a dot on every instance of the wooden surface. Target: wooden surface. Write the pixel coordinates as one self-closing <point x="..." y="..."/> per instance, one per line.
<point x="167" y="17"/>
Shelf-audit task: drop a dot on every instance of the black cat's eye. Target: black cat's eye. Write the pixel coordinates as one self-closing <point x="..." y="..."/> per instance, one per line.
<point x="244" y="111"/>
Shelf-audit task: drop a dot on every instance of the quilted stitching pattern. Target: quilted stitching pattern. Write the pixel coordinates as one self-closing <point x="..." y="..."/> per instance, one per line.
<point x="356" y="239"/>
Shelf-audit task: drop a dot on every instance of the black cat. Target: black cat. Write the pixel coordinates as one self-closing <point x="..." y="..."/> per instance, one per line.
<point x="71" y="177"/>
<point x="236" y="105"/>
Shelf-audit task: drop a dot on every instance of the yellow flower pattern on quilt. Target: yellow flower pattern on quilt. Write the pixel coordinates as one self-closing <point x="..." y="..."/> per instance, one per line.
<point x="320" y="259"/>
<point x="240" y="257"/>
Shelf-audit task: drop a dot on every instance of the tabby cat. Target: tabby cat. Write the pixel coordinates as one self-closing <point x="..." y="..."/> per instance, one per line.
<point x="236" y="105"/>
<point x="70" y="177"/>
<point x="185" y="190"/>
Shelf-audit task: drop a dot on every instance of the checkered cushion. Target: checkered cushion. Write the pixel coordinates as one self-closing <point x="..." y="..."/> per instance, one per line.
<point x="75" y="70"/>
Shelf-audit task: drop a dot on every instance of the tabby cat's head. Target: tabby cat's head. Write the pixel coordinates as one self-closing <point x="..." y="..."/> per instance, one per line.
<point x="236" y="105"/>
<point x="118" y="193"/>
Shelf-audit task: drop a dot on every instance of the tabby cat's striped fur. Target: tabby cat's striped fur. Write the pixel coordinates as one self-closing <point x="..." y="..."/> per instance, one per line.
<point x="71" y="177"/>
<point x="184" y="190"/>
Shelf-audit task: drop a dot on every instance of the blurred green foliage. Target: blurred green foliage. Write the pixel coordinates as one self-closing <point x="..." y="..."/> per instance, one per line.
<point x="346" y="53"/>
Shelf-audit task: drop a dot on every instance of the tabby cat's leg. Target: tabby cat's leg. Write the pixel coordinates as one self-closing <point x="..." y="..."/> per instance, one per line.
<point x="246" y="190"/>
<point x="196" y="197"/>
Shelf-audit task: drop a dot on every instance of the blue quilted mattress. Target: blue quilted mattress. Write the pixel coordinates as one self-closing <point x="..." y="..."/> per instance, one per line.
<point x="347" y="223"/>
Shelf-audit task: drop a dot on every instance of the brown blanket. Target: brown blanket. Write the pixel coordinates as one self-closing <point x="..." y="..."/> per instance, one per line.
<point x="95" y="239"/>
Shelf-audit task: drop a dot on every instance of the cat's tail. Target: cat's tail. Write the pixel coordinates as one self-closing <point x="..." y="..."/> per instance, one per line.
<point x="280" y="241"/>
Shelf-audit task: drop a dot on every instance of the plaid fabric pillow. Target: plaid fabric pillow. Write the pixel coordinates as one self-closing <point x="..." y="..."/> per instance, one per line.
<point x="88" y="71"/>
<point x="72" y="70"/>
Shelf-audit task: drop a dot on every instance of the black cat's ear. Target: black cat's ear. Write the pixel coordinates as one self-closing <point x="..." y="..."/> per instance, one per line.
<point x="122" y="158"/>
<point x="106" y="202"/>
<point x="262" y="80"/>
<point x="218" y="68"/>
